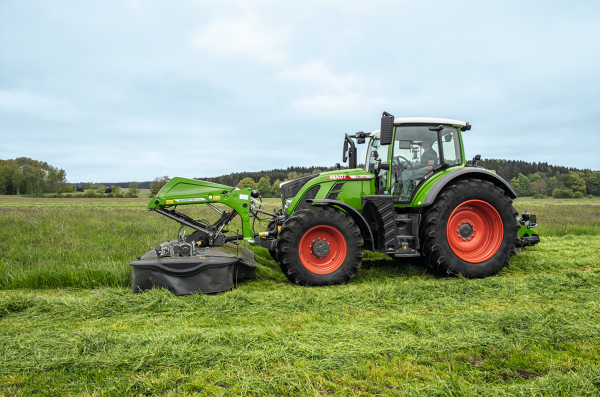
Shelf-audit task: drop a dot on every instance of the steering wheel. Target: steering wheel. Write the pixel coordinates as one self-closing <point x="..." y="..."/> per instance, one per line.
<point x="398" y="164"/>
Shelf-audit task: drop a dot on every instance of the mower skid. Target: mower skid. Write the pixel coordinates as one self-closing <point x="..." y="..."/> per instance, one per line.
<point x="209" y="270"/>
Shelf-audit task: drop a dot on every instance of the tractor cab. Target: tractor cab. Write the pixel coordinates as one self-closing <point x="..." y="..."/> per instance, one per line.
<point x="419" y="147"/>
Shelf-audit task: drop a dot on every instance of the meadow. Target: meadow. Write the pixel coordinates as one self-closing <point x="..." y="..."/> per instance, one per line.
<point x="69" y="324"/>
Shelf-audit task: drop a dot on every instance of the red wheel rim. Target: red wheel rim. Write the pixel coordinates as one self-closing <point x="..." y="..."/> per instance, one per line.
<point x="475" y="231"/>
<point x="322" y="250"/>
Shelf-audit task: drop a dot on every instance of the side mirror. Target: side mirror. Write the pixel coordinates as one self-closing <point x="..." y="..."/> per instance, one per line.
<point x="345" y="155"/>
<point x="386" y="133"/>
<point x="465" y="127"/>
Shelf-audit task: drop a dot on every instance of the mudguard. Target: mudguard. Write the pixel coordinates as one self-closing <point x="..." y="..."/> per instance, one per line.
<point x="357" y="216"/>
<point x="464" y="173"/>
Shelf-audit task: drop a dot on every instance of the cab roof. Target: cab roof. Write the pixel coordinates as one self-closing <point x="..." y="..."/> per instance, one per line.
<point x="424" y="120"/>
<point x="429" y="120"/>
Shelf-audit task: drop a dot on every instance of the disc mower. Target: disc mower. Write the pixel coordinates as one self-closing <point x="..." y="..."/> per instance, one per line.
<point x="417" y="196"/>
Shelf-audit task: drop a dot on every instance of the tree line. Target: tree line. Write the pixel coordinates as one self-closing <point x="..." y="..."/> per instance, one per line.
<point x="27" y="176"/>
<point x="266" y="182"/>
<point x="32" y="177"/>
<point x="542" y="179"/>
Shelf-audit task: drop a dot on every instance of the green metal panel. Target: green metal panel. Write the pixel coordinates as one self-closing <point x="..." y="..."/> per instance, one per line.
<point x="183" y="191"/>
<point x="358" y="183"/>
<point x="419" y="197"/>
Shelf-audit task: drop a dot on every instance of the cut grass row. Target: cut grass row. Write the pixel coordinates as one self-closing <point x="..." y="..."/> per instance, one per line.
<point x="69" y="324"/>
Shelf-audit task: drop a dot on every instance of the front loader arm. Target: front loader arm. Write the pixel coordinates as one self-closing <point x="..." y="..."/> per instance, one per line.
<point x="183" y="191"/>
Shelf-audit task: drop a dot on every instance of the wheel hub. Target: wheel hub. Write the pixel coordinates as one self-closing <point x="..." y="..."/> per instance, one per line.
<point x="321" y="248"/>
<point x="466" y="230"/>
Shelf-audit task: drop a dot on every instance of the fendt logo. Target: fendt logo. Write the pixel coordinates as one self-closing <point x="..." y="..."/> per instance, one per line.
<point x="337" y="177"/>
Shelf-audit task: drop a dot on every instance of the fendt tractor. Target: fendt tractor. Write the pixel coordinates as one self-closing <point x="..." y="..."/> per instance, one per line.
<point x="417" y="196"/>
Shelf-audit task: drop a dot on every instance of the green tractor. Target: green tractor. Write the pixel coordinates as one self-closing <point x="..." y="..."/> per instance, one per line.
<point x="417" y="196"/>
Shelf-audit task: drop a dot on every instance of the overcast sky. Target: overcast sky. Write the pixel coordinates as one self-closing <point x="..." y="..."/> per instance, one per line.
<point x="130" y="90"/>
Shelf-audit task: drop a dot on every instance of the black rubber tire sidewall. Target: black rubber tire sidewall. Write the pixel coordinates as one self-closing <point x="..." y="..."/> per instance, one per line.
<point x="302" y="221"/>
<point x="443" y="258"/>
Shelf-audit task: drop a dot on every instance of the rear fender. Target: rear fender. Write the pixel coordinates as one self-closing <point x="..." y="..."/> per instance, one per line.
<point x="465" y="173"/>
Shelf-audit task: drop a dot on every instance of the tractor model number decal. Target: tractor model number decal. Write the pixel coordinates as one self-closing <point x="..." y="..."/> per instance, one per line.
<point x="243" y="197"/>
<point x="169" y="202"/>
<point x="336" y="177"/>
<point x="192" y="199"/>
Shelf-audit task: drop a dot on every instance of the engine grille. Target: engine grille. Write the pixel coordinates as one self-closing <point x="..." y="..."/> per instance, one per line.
<point x="291" y="188"/>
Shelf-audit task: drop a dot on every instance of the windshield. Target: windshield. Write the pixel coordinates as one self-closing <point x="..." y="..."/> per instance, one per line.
<point x="416" y="152"/>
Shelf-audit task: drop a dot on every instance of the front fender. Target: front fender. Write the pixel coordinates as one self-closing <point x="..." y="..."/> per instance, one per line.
<point x="357" y="216"/>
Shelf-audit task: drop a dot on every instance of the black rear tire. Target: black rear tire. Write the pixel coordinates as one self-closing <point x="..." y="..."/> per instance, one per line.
<point x="435" y="247"/>
<point x="299" y="224"/>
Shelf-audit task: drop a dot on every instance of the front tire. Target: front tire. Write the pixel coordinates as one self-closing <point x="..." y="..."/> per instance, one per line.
<point x="320" y="246"/>
<point x="471" y="230"/>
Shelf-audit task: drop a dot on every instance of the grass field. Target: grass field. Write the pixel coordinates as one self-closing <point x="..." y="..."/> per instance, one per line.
<point x="69" y="324"/>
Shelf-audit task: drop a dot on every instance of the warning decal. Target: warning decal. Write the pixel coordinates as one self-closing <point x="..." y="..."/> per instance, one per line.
<point x="190" y="199"/>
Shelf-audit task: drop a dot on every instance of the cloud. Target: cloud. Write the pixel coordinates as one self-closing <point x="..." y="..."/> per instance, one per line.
<point x="316" y="72"/>
<point x="47" y="107"/>
<point x="337" y="103"/>
<point x="247" y="37"/>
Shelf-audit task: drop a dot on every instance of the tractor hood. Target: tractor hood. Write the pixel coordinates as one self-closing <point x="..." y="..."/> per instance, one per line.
<point x="319" y="186"/>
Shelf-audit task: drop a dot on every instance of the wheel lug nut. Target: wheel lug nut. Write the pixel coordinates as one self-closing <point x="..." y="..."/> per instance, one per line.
<point x="311" y="252"/>
<point x="463" y="239"/>
<point x="469" y="238"/>
<point x="472" y="235"/>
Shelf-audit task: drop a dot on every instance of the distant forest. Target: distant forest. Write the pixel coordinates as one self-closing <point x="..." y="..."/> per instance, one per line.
<point x="32" y="177"/>
<point x="527" y="179"/>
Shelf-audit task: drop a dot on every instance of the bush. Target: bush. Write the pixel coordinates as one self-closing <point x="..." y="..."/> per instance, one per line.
<point x="589" y="196"/>
<point x="578" y="195"/>
<point x="68" y="195"/>
<point x="540" y="196"/>
<point x="562" y="193"/>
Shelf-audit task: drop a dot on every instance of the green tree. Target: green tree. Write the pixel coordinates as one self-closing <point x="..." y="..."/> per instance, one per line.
<point x="275" y="189"/>
<point x="540" y="186"/>
<point x="6" y="173"/>
<point x="264" y="186"/>
<point x="247" y="182"/>
<point x="158" y="184"/>
<point x="555" y="183"/>
<point x="595" y="183"/>
<point x="522" y="185"/>
<point x="134" y="189"/>
<point x="17" y="179"/>
<point x="577" y="182"/>
<point x="291" y="176"/>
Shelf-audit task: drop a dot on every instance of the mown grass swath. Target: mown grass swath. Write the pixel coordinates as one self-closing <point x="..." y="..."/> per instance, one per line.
<point x="69" y="324"/>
